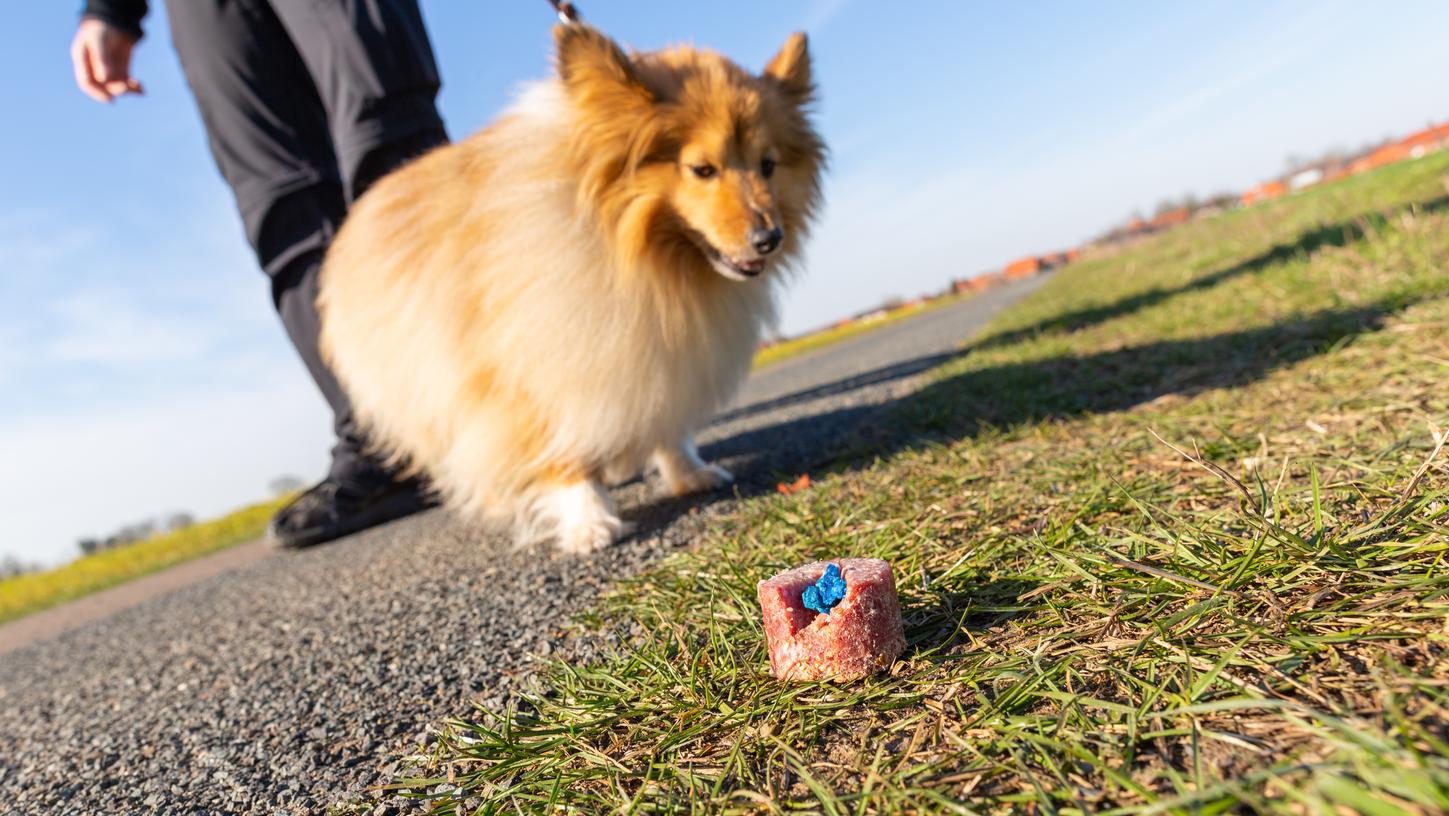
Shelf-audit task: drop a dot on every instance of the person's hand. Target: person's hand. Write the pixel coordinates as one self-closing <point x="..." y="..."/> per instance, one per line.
<point x="101" y="55"/>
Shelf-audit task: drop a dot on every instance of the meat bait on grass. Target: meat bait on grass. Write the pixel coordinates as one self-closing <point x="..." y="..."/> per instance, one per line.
<point x="832" y="620"/>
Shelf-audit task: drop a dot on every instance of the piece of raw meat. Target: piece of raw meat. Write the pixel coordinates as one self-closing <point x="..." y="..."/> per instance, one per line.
<point x="860" y="635"/>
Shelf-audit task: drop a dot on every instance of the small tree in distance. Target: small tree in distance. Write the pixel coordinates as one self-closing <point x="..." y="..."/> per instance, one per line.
<point x="282" y="485"/>
<point x="179" y="521"/>
<point x="10" y="566"/>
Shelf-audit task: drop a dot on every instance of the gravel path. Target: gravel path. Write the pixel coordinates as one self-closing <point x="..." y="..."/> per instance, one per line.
<point x="48" y="623"/>
<point x="291" y="683"/>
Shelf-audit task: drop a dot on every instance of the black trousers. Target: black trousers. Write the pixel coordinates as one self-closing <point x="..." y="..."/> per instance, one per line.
<point x="306" y="103"/>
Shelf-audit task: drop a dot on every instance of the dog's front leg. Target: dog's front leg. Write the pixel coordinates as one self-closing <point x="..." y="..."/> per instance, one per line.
<point x="579" y="516"/>
<point x="684" y="472"/>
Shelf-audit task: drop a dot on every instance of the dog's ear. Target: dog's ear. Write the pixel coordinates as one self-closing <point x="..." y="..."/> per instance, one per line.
<point x="593" y="66"/>
<point x="790" y="69"/>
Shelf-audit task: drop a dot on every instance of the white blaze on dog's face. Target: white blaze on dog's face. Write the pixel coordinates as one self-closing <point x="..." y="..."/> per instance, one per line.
<point x="698" y="158"/>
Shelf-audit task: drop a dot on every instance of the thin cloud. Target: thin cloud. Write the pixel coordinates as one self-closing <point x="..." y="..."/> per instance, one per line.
<point x="96" y="327"/>
<point x="1271" y="51"/>
<point x="10" y="357"/>
<point x="35" y="244"/>
<point x="821" y="13"/>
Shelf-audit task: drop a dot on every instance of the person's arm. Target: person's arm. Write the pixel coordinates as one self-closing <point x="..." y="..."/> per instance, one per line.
<point x="101" y="50"/>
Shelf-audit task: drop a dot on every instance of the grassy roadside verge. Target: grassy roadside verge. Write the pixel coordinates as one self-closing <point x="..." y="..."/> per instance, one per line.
<point x="24" y="594"/>
<point x="826" y="337"/>
<point x="1170" y="539"/>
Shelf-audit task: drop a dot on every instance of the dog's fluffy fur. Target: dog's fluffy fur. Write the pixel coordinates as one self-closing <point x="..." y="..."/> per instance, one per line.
<point x="545" y="307"/>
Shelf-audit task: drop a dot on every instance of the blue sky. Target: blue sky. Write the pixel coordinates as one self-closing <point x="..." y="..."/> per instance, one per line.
<point x="142" y="370"/>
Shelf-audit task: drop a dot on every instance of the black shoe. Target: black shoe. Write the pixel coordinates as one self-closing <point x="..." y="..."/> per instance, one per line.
<point x="338" y="507"/>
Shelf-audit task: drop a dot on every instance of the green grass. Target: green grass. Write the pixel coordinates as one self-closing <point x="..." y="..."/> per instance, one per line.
<point x="1170" y="538"/>
<point x="24" y="594"/>
<point x="794" y="347"/>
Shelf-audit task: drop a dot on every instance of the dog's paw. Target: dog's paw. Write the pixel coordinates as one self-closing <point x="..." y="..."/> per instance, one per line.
<point x="582" y="539"/>
<point x="709" y="477"/>
<point x="579" y="517"/>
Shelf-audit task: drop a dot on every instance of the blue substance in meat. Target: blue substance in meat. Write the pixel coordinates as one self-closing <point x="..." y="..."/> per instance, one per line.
<point x="825" y="593"/>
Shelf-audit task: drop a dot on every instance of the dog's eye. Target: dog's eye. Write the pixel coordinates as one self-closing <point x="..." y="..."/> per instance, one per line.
<point x="767" y="167"/>
<point x="703" y="171"/>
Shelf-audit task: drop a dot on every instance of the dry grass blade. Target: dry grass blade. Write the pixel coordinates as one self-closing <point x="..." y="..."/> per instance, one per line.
<point x="1162" y="573"/>
<point x="1211" y="467"/>
<point x="1440" y="437"/>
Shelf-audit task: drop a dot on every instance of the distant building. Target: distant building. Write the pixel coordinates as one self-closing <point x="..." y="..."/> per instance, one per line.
<point x="1053" y="260"/>
<point x="1171" y="218"/>
<point x="1264" y="192"/>
<point x="1426" y="141"/>
<point x="979" y="283"/>
<point x="1305" y="178"/>
<point x="1023" y="268"/>
<point x="1389" y="154"/>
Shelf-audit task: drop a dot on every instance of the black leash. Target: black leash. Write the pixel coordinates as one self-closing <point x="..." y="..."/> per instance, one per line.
<point x="567" y="13"/>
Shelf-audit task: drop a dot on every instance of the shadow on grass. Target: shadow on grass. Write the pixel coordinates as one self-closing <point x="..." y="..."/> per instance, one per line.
<point x="936" y="618"/>
<point x="879" y="376"/>
<point x="1063" y="387"/>
<point x="960" y="406"/>
<point x="1339" y="234"/>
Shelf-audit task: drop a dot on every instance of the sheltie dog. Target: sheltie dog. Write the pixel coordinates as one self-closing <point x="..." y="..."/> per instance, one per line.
<point x="560" y="300"/>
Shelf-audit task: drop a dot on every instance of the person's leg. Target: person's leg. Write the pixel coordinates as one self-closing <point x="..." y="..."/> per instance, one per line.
<point x="270" y="136"/>
<point x="373" y="67"/>
<point x="295" y="293"/>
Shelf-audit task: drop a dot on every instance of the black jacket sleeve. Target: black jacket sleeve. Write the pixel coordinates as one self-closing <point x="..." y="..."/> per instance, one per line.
<point x="123" y="14"/>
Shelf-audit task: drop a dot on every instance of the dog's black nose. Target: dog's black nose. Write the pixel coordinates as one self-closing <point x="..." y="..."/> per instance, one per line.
<point x="766" y="241"/>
